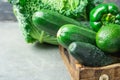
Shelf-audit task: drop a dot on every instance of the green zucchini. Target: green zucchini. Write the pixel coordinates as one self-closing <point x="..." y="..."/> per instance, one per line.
<point x="50" y="21"/>
<point x="90" y="55"/>
<point x="69" y="33"/>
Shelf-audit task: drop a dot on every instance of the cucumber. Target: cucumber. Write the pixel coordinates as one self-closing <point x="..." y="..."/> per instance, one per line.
<point x="69" y="33"/>
<point x="90" y="55"/>
<point x="50" y="21"/>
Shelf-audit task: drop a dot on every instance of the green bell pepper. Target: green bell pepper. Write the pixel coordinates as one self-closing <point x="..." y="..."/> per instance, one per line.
<point x="103" y="14"/>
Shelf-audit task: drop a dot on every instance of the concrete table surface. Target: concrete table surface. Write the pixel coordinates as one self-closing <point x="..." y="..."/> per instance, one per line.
<point x="22" y="61"/>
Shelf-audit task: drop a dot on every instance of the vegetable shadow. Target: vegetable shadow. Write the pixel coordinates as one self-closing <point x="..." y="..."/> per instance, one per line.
<point x="44" y="46"/>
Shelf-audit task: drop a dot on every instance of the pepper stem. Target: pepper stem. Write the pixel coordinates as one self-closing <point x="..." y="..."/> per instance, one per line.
<point x="108" y="18"/>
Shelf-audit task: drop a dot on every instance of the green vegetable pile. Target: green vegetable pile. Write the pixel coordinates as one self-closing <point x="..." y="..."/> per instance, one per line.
<point x="24" y="9"/>
<point x="88" y="29"/>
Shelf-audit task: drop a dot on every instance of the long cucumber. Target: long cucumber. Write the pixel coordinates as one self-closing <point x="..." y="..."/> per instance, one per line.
<point x="69" y="33"/>
<point x="50" y="21"/>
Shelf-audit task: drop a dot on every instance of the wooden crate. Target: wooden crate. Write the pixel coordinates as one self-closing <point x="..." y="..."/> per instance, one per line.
<point x="81" y="72"/>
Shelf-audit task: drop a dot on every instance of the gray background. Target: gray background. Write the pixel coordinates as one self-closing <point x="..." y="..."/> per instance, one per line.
<point x="6" y="13"/>
<point x="22" y="61"/>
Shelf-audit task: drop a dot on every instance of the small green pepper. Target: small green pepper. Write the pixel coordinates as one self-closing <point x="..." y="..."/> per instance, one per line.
<point x="104" y="13"/>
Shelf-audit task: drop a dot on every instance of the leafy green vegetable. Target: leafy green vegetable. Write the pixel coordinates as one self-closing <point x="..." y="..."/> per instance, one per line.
<point x="67" y="7"/>
<point x="24" y="9"/>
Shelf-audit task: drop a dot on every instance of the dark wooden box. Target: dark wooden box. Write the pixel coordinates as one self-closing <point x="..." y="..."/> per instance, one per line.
<point x="81" y="72"/>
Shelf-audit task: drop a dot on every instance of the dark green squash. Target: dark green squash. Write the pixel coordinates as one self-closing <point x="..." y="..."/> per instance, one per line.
<point x="90" y="55"/>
